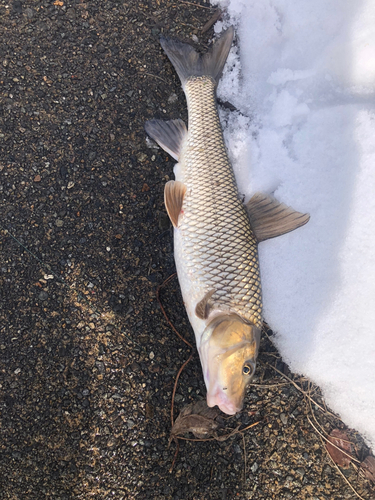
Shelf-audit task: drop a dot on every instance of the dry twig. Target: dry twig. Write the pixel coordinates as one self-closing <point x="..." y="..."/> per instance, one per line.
<point x="212" y="21"/>
<point x="325" y="438"/>
<point x="303" y="392"/>
<point x="195" y="5"/>
<point x="163" y="310"/>
<point x="175" y="385"/>
<point x="155" y="76"/>
<point x="181" y="337"/>
<point x="322" y="438"/>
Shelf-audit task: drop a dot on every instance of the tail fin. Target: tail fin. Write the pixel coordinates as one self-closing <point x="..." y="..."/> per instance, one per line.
<point x="189" y="63"/>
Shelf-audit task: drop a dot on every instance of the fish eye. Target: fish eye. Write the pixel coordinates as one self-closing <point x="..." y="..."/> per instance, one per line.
<point x="246" y="370"/>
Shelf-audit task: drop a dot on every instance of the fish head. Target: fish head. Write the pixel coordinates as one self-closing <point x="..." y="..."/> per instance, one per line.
<point x="228" y="354"/>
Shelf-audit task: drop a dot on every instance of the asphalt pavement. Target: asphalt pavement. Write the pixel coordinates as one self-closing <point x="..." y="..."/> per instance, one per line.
<point x="87" y="360"/>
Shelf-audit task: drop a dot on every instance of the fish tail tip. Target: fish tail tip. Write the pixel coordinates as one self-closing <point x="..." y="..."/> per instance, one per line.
<point x="187" y="62"/>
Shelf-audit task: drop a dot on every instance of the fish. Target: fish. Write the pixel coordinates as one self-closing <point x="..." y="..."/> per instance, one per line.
<point x="216" y="235"/>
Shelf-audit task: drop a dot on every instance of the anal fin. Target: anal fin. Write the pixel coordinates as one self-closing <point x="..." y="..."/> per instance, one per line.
<point x="174" y="193"/>
<point x="270" y="218"/>
<point x="168" y="134"/>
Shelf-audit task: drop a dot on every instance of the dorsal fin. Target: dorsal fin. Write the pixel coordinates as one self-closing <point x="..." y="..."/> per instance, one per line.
<point x="270" y="218"/>
<point x="168" y="134"/>
<point x="174" y="193"/>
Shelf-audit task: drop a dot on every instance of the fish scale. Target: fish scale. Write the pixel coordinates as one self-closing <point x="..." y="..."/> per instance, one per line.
<point x="216" y="243"/>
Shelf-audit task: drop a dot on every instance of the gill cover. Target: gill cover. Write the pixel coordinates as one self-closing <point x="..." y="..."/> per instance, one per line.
<point x="228" y="353"/>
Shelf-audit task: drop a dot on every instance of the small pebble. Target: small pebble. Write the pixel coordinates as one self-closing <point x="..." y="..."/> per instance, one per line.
<point x="254" y="467"/>
<point x="172" y="98"/>
<point x="43" y="295"/>
<point x="300" y="471"/>
<point x="29" y="13"/>
<point x="284" y="418"/>
<point x="141" y="157"/>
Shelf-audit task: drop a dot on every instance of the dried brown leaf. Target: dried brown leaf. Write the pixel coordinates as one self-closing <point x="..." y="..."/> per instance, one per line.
<point x="341" y="440"/>
<point x="368" y="468"/>
<point x="198" y="419"/>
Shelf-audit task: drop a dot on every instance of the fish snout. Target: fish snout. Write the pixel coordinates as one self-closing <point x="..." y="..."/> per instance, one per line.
<point x="222" y="401"/>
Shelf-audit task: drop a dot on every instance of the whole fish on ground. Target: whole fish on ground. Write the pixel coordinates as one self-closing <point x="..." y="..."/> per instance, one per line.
<point x="215" y="235"/>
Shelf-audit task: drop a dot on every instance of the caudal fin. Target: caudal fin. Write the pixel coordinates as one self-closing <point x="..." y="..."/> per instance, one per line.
<point x="189" y="63"/>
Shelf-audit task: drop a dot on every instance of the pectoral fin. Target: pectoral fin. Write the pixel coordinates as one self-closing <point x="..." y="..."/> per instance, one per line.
<point x="168" y="134"/>
<point x="202" y="309"/>
<point x="174" y="193"/>
<point x="270" y="218"/>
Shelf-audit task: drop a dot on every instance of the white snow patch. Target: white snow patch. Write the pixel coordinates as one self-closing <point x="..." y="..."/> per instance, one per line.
<point x="303" y="81"/>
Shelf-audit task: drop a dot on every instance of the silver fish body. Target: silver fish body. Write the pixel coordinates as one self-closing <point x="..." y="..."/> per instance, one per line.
<point x="215" y="236"/>
<point x="215" y="248"/>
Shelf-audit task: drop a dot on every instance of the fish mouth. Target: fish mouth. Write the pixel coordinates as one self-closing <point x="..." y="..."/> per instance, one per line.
<point x="222" y="401"/>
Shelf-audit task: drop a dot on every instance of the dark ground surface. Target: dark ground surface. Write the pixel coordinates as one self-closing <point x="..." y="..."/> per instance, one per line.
<point x="85" y="412"/>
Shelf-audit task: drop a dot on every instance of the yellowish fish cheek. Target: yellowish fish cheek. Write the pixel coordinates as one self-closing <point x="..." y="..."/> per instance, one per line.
<point x="231" y="378"/>
<point x="231" y="372"/>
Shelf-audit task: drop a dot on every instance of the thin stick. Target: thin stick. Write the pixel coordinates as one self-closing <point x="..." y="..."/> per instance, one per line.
<point x="155" y="76"/>
<point x="181" y="337"/>
<point x="329" y="441"/>
<point x="163" y="310"/>
<point x="272" y="354"/>
<point x="196" y="439"/>
<point x="175" y="455"/>
<point x="322" y="436"/>
<point x="220" y="438"/>
<point x="196" y="5"/>
<point x="333" y="444"/>
<point x="348" y="482"/>
<point x="212" y="21"/>
<point x="303" y="392"/>
<point x="244" y="457"/>
<point x="249" y="427"/>
<point x="266" y="334"/>
<point x="175" y="386"/>
<point x="270" y="385"/>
